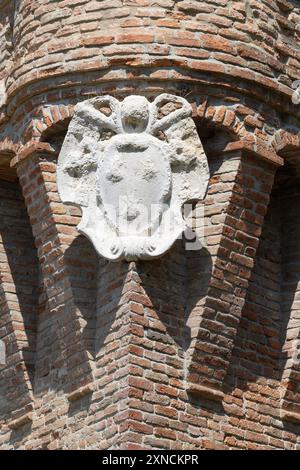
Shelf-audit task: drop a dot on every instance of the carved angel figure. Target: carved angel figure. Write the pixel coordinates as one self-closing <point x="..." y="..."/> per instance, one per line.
<point x="130" y="166"/>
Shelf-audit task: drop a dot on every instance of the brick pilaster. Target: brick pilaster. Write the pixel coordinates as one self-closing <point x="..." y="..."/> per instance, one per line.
<point x="67" y="264"/>
<point x="236" y="205"/>
<point x="18" y="307"/>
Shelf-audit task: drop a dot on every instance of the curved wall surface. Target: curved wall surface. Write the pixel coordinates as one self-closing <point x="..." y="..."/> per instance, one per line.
<point x="197" y="349"/>
<point x="243" y="40"/>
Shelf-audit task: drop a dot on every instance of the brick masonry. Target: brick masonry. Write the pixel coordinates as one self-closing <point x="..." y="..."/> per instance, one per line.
<point x="196" y="350"/>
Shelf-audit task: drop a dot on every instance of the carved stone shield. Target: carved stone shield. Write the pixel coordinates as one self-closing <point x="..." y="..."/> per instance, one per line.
<point x="130" y="167"/>
<point x="134" y="209"/>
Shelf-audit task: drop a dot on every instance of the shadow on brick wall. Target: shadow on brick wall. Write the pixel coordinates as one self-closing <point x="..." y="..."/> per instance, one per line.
<point x="97" y="288"/>
<point x="82" y="269"/>
<point x="81" y="262"/>
<point x="265" y="337"/>
<point x="19" y="291"/>
<point x="257" y="345"/>
<point x="176" y="285"/>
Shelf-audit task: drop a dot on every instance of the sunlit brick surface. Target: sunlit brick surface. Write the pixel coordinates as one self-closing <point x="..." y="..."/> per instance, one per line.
<point x="196" y="350"/>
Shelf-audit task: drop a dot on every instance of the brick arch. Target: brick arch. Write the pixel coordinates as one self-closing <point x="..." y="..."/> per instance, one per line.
<point x="228" y="119"/>
<point x="50" y="120"/>
<point x="7" y="147"/>
<point x="221" y="117"/>
<point x="238" y="121"/>
<point x="53" y="119"/>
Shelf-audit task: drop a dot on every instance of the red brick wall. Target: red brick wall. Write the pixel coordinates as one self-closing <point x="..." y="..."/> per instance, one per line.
<point x="191" y="351"/>
<point x="136" y="348"/>
<point x="68" y="36"/>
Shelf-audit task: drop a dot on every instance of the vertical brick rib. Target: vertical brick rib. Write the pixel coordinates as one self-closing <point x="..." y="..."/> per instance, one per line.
<point x="245" y="206"/>
<point x="61" y="342"/>
<point x="18" y="306"/>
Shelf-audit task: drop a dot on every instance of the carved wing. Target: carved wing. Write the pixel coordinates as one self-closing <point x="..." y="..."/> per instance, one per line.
<point x="166" y="110"/>
<point x="172" y="115"/>
<point x="94" y="122"/>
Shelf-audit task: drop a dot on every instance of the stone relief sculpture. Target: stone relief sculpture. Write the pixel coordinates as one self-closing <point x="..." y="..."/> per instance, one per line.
<point x="130" y="166"/>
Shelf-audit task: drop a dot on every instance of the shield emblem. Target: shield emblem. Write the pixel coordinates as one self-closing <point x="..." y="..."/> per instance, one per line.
<point x="134" y="183"/>
<point x="130" y="185"/>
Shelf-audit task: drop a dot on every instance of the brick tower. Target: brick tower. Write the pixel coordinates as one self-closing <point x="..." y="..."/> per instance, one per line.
<point x="195" y="349"/>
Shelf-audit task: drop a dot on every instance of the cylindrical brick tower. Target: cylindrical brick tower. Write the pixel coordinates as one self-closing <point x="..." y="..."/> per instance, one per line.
<point x="193" y="350"/>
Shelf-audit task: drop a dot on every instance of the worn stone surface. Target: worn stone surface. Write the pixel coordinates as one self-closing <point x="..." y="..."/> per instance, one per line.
<point x="193" y="350"/>
<point x="131" y="185"/>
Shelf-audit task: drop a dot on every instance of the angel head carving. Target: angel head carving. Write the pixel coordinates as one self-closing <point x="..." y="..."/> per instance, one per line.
<point x="130" y="166"/>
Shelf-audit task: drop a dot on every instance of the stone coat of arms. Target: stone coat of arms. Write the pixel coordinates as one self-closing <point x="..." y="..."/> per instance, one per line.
<point x="131" y="166"/>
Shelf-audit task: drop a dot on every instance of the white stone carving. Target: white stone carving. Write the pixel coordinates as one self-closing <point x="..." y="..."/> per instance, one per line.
<point x="130" y="166"/>
<point x="2" y="353"/>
